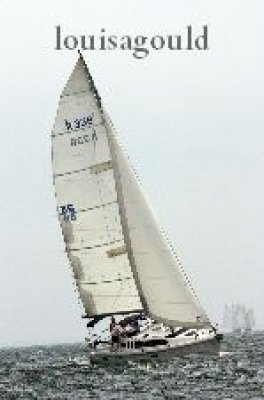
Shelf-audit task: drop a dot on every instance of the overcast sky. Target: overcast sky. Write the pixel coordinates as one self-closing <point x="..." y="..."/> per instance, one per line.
<point x="192" y="123"/>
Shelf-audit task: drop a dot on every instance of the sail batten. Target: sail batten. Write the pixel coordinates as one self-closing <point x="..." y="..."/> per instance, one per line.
<point x="100" y="282"/>
<point x="96" y="246"/>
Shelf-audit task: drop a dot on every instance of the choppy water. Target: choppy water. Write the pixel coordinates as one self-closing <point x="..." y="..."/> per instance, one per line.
<point x="63" y="372"/>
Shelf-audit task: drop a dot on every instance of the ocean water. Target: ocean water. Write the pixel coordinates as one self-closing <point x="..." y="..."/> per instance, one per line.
<point x="64" y="372"/>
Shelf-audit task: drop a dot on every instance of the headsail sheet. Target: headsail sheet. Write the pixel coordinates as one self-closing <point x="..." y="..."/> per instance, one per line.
<point x="87" y="200"/>
<point x="163" y="287"/>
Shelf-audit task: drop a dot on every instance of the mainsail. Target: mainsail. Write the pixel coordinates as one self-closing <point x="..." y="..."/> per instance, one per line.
<point x="120" y="258"/>
<point x="87" y="201"/>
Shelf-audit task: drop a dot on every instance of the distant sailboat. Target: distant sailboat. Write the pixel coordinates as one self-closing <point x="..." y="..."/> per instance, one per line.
<point x="249" y="320"/>
<point x="238" y="318"/>
<point x="121" y="261"/>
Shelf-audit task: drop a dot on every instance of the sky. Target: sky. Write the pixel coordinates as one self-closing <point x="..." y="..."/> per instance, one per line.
<point x="192" y="123"/>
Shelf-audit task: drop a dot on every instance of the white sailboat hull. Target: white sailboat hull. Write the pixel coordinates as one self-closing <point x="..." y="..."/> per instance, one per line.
<point x="208" y="345"/>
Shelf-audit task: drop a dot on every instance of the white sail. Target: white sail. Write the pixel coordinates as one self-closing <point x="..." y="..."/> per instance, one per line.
<point x="87" y="201"/>
<point x="164" y="290"/>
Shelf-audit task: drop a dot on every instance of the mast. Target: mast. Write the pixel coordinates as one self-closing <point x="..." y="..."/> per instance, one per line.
<point x="118" y="186"/>
<point x="122" y="211"/>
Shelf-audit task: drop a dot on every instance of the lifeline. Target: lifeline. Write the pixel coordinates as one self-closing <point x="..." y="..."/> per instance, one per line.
<point x="139" y="45"/>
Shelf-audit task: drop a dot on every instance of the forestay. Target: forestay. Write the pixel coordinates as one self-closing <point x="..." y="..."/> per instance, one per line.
<point x="87" y="200"/>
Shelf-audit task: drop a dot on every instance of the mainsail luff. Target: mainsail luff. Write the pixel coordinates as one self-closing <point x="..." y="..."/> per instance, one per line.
<point x="85" y="190"/>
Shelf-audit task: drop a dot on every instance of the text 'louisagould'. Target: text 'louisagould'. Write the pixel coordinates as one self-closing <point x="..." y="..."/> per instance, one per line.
<point x="140" y="46"/>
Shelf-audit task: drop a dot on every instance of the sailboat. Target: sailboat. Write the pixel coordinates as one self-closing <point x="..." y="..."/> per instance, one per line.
<point x="122" y="262"/>
<point x="238" y="318"/>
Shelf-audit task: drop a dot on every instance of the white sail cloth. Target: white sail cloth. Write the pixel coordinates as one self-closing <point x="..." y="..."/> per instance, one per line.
<point x="165" y="293"/>
<point x="87" y="201"/>
<point x="119" y="256"/>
